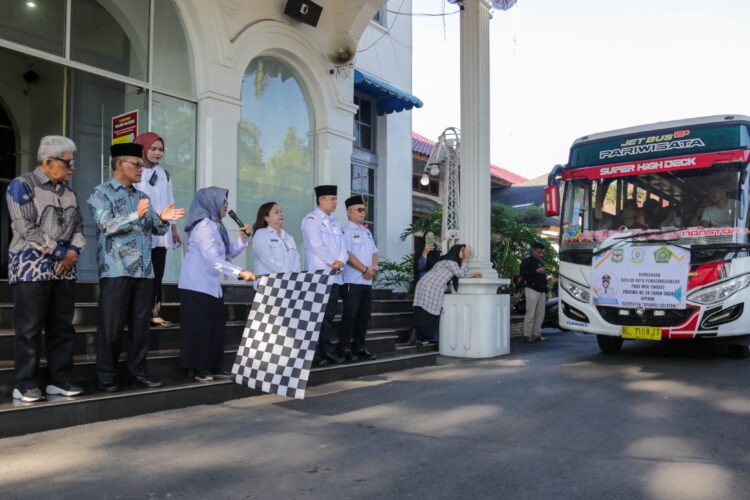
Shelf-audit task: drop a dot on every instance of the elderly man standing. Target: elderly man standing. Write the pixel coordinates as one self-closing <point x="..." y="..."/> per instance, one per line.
<point x="47" y="239"/>
<point x="325" y="249"/>
<point x="357" y="289"/>
<point x="125" y="222"/>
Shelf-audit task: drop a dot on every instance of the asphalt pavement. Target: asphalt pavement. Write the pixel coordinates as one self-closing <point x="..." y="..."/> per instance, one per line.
<point x="551" y="420"/>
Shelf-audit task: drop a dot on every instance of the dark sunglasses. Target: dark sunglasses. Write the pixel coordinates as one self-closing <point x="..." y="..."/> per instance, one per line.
<point x="360" y="210"/>
<point x="68" y="163"/>
<point x="136" y="165"/>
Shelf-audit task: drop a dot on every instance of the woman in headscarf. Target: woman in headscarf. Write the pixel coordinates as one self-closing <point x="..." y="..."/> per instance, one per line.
<point x="428" y="297"/>
<point x="155" y="182"/>
<point x="275" y="250"/>
<point x="425" y="255"/>
<point x="207" y="256"/>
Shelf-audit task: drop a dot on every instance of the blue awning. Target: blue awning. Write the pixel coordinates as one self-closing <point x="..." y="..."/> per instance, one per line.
<point x="389" y="99"/>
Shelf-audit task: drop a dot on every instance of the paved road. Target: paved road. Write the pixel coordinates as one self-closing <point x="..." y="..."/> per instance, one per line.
<point x="552" y="420"/>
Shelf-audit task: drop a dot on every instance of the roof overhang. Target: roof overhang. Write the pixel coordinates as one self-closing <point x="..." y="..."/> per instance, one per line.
<point x="388" y="98"/>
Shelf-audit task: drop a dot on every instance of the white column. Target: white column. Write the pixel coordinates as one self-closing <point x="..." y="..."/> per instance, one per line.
<point x="474" y="218"/>
<point x="475" y="321"/>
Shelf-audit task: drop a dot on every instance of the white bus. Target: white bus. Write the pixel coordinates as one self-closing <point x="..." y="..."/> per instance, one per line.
<point x="654" y="233"/>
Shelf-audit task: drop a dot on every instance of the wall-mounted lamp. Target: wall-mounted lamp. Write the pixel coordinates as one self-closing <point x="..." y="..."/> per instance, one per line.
<point x="425" y="179"/>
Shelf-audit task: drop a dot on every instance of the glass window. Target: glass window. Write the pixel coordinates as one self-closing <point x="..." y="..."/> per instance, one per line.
<point x="363" y="183"/>
<point x="175" y="121"/>
<point x="363" y="124"/>
<point x="111" y="35"/>
<point x="39" y="24"/>
<point x="275" y="145"/>
<point x="173" y="58"/>
<point x="379" y="16"/>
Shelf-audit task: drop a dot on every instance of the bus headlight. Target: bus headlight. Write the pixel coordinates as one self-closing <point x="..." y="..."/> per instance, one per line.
<point x="577" y="291"/>
<point x="721" y="291"/>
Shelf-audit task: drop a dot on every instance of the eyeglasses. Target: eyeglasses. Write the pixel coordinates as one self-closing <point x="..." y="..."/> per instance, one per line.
<point x="136" y="165"/>
<point x="68" y="163"/>
<point x="360" y="210"/>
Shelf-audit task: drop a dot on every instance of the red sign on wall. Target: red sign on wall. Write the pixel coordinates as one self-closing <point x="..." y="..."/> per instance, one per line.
<point x="125" y="127"/>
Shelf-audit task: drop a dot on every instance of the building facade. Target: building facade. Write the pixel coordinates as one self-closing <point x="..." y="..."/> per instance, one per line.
<point x="245" y="97"/>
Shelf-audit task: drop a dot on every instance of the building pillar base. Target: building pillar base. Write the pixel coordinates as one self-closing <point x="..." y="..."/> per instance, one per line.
<point x="476" y="321"/>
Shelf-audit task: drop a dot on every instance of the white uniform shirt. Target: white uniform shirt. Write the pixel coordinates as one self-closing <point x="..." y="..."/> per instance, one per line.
<point x="324" y="242"/>
<point x="205" y="260"/>
<point x="160" y="195"/>
<point x="274" y="253"/>
<point x="360" y="243"/>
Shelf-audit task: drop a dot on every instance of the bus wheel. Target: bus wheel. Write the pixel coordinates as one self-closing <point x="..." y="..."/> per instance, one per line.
<point x="739" y="351"/>
<point x="609" y="344"/>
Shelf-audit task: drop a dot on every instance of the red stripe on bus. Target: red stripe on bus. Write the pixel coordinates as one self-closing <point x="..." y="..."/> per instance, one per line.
<point x="657" y="165"/>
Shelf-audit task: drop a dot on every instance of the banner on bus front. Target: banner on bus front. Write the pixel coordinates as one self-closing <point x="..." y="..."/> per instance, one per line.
<point x="647" y="276"/>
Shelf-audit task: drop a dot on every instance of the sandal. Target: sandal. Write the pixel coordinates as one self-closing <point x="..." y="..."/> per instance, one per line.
<point x="530" y="340"/>
<point x="542" y="339"/>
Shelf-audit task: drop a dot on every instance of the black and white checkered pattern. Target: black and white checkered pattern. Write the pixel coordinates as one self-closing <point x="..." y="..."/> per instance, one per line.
<point x="282" y="330"/>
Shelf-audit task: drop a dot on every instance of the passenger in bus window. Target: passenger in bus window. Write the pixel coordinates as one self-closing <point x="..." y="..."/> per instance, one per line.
<point x="695" y="218"/>
<point x="629" y="216"/>
<point x="672" y="217"/>
<point x="722" y="212"/>
<point x="653" y="213"/>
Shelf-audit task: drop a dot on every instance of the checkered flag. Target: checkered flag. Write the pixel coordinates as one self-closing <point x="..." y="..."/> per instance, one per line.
<point x="278" y="344"/>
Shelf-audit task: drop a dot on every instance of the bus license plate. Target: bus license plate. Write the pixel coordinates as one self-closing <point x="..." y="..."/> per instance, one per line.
<point x="641" y="332"/>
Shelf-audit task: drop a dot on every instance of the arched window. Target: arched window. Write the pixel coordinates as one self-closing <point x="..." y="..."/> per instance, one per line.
<point x="276" y="143"/>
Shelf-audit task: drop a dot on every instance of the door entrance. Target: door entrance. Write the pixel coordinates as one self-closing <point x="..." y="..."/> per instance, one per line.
<point x="7" y="173"/>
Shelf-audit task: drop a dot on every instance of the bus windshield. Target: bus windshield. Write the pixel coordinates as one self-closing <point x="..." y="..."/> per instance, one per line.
<point x="698" y="206"/>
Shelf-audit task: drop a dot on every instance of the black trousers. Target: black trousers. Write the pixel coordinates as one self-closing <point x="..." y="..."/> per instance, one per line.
<point x="203" y="323"/>
<point x="47" y="305"/>
<point x="159" y="261"/>
<point x="326" y="329"/>
<point x="357" y="312"/>
<point x="123" y="301"/>
<point x="426" y="325"/>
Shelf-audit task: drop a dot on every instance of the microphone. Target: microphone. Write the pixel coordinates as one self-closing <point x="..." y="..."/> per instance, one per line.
<point x="237" y="220"/>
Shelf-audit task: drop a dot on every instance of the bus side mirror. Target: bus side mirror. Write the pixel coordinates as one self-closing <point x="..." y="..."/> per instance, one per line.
<point x="552" y="201"/>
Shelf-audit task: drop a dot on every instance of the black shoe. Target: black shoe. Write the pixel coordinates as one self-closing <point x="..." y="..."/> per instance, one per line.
<point x="222" y="375"/>
<point x="143" y="381"/>
<point x="332" y="358"/>
<point x="108" y="387"/>
<point x="320" y="362"/>
<point x="347" y="355"/>
<point x="364" y="354"/>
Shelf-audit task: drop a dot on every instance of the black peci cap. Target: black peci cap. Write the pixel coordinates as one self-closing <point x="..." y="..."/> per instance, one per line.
<point x="326" y="190"/>
<point x="126" y="149"/>
<point x="354" y="200"/>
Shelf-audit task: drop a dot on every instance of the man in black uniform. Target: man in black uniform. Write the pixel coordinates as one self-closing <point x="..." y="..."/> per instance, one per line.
<point x="533" y="272"/>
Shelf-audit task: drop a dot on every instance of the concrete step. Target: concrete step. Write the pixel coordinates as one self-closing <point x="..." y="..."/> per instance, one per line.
<point x="165" y="362"/>
<point x="18" y="418"/>
<point x="89" y="292"/>
<point x="86" y="313"/>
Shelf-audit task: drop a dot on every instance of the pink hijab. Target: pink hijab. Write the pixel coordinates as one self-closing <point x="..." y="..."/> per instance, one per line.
<point x="146" y="139"/>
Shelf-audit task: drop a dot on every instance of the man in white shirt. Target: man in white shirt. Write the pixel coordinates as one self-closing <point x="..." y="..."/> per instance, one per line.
<point x="325" y="249"/>
<point x="722" y="212"/>
<point x="357" y="289"/>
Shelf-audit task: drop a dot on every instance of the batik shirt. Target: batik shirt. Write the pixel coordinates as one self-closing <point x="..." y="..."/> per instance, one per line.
<point x="46" y="224"/>
<point x="123" y="240"/>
